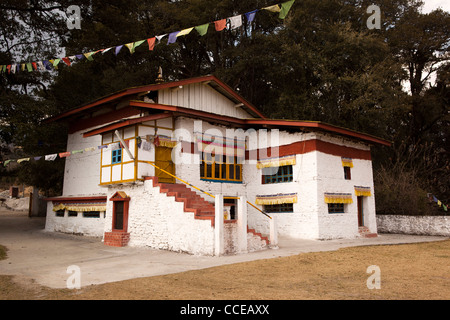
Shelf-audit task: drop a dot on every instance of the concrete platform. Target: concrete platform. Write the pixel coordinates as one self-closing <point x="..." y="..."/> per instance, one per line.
<point x="45" y="256"/>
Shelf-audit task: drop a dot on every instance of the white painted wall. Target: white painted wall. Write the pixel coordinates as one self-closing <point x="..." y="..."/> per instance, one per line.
<point x="82" y="171"/>
<point x="74" y="225"/>
<point x="157" y="221"/>
<point x="331" y="179"/>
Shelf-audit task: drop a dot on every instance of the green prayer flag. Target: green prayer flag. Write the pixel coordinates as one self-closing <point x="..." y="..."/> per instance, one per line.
<point x="202" y="29"/>
<point x="29" y="67"/>
<point x="137" y="44"/>
<point x="285" y="7"/>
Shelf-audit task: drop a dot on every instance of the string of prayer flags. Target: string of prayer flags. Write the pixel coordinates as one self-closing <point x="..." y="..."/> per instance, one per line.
<point x="433" y="198"/>
<point x="233" y="22"/>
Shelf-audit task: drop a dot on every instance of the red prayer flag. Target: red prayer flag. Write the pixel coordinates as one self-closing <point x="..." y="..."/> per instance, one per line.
<point x="220" y="24"/>
<point x="151" y="43"/>
<point x="34" y="64"/>
<point x="66" y="60"/>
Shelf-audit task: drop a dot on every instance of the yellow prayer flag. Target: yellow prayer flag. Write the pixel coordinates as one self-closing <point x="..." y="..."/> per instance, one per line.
<point x="274" y="8"/>
<point x="185" y="32"/>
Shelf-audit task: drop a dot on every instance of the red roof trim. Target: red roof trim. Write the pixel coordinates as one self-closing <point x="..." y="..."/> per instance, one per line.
<point x="76" y="199"/>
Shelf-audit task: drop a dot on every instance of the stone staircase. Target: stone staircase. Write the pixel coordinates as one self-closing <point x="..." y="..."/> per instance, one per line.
<point x="202" y="209"/>
<point x="364" y="232"/>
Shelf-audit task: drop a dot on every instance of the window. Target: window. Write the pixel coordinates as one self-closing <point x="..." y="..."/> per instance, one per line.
<point x="336" y="208"/>
<point x="60" y="213"/>
<point x="220" y="168"/>
<point x="116" y="156"/>
<point x="285" y="207"/>
<point x="283" y="174"/>
<point x="347" y="173"/>
<point x="73" y="213"/>
<point x="91" y="214"/>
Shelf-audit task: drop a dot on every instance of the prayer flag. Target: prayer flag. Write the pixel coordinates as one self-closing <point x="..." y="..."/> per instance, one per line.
<point x="160" y="37"/>
<point x="51" y="157"/>
<point x="89" y="55"/>
<point x="137" y="44"/>
<point x="55" y="63"/>
<point x="64" y="154"/>
<point x="202" y="29"/>
<point x="29" y="67"/>
<point x="285" y="7"/>
<point x="118" y="49"/>
<point x="130" y="47"/>
<point x="106" y="50"/>
<point x="220" y="24"/>
<point x="235" y="22"/>
<point x="34" y="65"/>
<point x="47" y="65"/>
<point x="172" y="37"/>
<point x="184" y="32"/>
<point x="151" y="43"/>
<point x="274" y="8"/>
<point x="66" y="61"/>
<point x="251" y="15"/>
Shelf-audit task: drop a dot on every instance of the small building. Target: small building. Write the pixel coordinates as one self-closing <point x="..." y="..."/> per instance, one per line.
<point x="146" y="166"/>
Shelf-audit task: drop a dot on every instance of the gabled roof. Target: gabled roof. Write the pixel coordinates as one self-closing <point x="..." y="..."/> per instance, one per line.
<point x="159" y="111"/>
<point x="210" y="80"/>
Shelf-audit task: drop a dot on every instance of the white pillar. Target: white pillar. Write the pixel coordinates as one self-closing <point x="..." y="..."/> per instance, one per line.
<point x="273" y="237"/>
<point x="242" y="224"/>
<point x="219" y="248"/>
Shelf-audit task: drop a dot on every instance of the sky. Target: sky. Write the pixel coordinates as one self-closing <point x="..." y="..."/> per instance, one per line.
<point x="430" y="5"/>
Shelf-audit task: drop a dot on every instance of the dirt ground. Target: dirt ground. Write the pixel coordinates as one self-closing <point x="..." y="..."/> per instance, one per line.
<point x="407" y="272"/>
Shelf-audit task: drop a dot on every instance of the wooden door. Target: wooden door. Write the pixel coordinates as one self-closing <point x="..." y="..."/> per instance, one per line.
<point x="360" y="212"/>
<point x="163" y="160"/>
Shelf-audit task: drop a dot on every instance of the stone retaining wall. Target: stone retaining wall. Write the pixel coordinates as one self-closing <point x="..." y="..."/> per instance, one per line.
<point x="421" y="225"/>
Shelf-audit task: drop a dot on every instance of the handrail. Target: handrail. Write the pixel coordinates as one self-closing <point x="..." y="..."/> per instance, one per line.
<point x="185" y="182"/>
